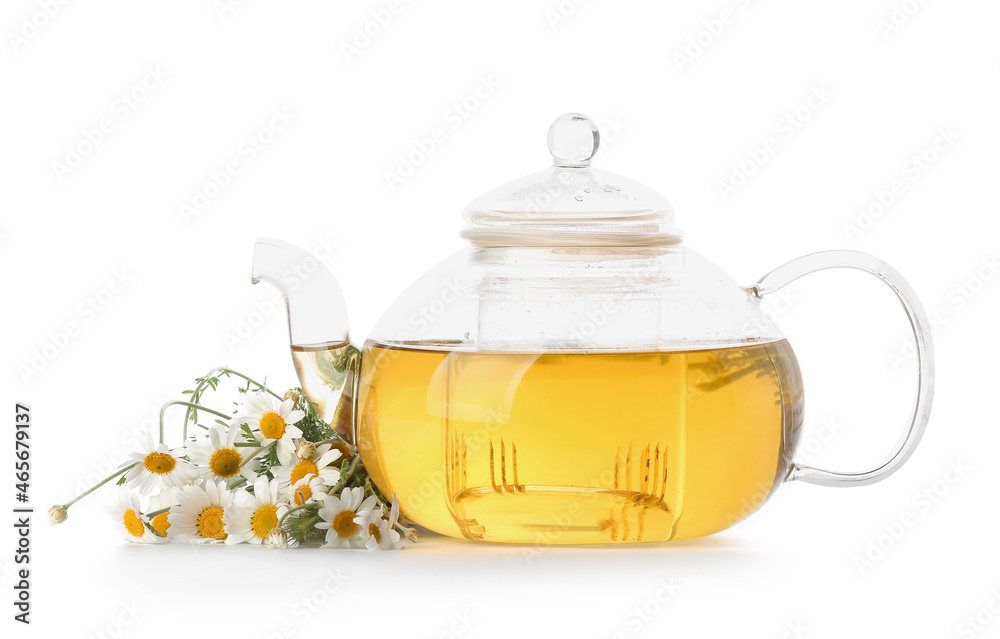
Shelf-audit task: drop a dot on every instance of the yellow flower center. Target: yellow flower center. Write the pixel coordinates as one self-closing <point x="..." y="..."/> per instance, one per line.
<point x="225" y="462"/>
<point x="264" y="520"/>
<point x="373" y="531"/>
<point x="303" y="494"/>
<point x="272" y="426"/>
<point x="344" y="524"/>
<point x="132" y="523"/>
<point x="302" y="469"/>
<point x="210" y="524"/>
<point x="159" y="463"/>
<point x="160" y="523"/>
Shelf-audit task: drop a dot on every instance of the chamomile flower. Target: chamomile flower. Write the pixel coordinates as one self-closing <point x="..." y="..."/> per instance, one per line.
<point x="217" y="457"/>
<point x="158" y="465"/>
<point x="309" y="488"/>
<point x="338" y="514"/>
<point x="270" y="424"/>
<point x="293" y="467"/>
<point x="254" y="517"/>
<point x="127" y="513"/>
<point x="166" y="498"/>
<point x="376" y="531"/>
<point x="200" y="515"/>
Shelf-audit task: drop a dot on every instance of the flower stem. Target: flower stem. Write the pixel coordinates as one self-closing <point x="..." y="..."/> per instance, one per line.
<point x="98" y="485"/>
<point x="257" y="452"/>
<point x="252" y="381"/>
<point x="200" y="389"/>
<point x="163" y="411"/>
<point x="345" y="475"/>
<point x="333" y="440"/>
<point x="290" y="511"/>
<point x="160" y="511"/>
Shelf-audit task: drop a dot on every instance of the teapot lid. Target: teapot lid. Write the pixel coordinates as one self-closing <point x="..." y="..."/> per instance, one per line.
<point x="570" y="203"/>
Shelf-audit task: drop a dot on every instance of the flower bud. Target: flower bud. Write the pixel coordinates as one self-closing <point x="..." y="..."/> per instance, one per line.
<point x="57" y="514"/>
<point x="306" y="450"/>
<point x="292" y="395"/>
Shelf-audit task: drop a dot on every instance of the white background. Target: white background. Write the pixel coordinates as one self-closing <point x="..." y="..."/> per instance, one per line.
<point x="683" y="127"/>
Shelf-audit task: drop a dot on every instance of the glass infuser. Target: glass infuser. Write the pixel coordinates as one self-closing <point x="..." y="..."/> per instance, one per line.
<point x="577" y="374"/>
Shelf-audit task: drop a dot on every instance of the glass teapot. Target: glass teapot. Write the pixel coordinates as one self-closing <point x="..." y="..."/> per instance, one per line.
<point x="575" y="375"/>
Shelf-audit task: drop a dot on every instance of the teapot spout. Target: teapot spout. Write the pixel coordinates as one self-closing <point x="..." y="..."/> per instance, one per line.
<point x="317" y="313"/>
<point x="326" y="363"/>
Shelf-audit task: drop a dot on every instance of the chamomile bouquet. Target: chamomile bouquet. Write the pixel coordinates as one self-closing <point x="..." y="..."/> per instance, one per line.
<point x="272" y="472"/>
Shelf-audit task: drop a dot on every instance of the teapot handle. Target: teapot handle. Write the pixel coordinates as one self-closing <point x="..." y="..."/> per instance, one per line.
<point x="788" y="273"/>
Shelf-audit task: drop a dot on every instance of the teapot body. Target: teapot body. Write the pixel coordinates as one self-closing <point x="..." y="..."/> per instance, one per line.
<point x="542" y="395"/>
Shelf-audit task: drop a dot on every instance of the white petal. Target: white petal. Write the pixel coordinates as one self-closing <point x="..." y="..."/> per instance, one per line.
<point x="368" y="504"/>
<point x="327" y="459"/>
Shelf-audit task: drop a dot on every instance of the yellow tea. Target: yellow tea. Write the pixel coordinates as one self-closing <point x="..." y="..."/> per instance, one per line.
<point x="327" y="374"/>
<point x="569" y="447"/>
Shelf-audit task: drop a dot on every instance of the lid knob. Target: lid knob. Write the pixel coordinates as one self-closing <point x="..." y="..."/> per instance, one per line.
<point x="573" y="140"/>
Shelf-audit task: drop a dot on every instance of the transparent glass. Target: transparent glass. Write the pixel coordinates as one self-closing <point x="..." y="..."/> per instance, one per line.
<point x="576" y="375"/>
<point x="577" y="395"/>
